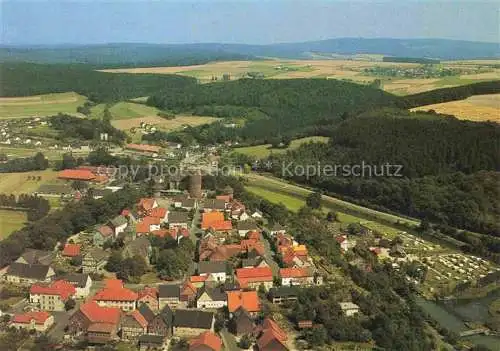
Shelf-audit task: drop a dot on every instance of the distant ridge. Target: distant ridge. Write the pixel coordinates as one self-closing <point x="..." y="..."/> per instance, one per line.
<point x="137" y="54"/>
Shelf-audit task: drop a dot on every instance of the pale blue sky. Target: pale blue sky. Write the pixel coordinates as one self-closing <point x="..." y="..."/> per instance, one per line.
<point x="242" y="21"/>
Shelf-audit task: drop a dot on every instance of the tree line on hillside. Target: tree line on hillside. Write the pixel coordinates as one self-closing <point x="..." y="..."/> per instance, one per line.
<point x="57" y="226"/>
<point x="37" y="207"/>
<point x="451" y="94"/>
<point x="25" y="79"/>
<point x="35" y="163"/>
<point x="449" y="175"/>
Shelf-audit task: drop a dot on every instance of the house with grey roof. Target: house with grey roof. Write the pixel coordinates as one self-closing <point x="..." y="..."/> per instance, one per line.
<point x="211" y="205"/>
<point x="189" y="323"/>
<point x="81" y="281"/>
<point x="32" y="256"/>
<point x="169" y="294"/>
<point x="211" y="297"/>
<point x="217" y="269"/>
<point x="178" y="219"/>
<point x="23" y="273"/>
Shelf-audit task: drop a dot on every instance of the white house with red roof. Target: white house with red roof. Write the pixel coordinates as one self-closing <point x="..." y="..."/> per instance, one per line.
<point x="51" y="296"/>
<point x="116" y="295"/>
<point x="296" y="276"/>
<point x="343" y="242"/>
<point x="39" y="321"/>
<point x="255" y="277"/>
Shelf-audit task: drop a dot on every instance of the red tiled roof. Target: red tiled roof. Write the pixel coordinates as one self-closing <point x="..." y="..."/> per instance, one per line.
<point x="206" y="339"/>
<point x="271" y="331"/>
<point x="254" y="275"/>
<point x="250" y="244"/>
<point x="197" y="278"/>
<point x="76" y="174"/>
<point x="151" y="220"/>
<point x="249" y="300"/>
<point x="295" y="272"/>
<point x="341" y="238"/>
<point x="105" y="230"/>
<point x="98" y="314"/>
<point x="148" y="291"/>
<point x="215" y="220"/>
<point x="139" y="318"/>
<point x="143" y="147"/>
<point x="142" y="228"/>
<point x="71" y="250"/>
<point x="226" y="198"/>
<point x="253" y="235"/>
<point x="114" y="291"/>
<point x="158" y="212"/>
<point x="60" y="287"/>
<point x="26" y="318"/>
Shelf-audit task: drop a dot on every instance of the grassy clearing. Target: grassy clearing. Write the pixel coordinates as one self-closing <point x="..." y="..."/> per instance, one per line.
<point x="40" y="105"/>
<point x="18" y="183"/>
<point x="279" y="188"/>
<point x="475" y="108"/>
<point x="11" y="221"/>
<point x="265" y="150"/>
<point x="291" y="202"/>
<point x="124" y="110"/>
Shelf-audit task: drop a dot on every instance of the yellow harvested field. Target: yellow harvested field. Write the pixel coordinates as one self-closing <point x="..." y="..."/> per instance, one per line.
<point x="162" y="123"/>
<point x="475" y="108"/>
<point x="23" y="183"/>
<point x="352" y="70"/>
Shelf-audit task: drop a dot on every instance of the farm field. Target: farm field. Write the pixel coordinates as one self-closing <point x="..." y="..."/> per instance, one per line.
<point x="11" y="221"/>
<point x="27" y="152"/>
<point x="22" y="183"/>
<point x="263" y="151"/>
<point x="352" y="70"/>
<point x="474" y="108"/>
<point x="40" y="105"/>
<point x="164" y="124"/>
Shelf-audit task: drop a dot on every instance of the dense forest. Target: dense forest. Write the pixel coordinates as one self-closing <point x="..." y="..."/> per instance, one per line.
<point x="449" y="169"/>
<point x="25" y="79"/>
<point x="275" y="107"/>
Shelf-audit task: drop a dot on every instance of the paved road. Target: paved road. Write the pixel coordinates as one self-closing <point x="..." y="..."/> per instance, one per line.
<point x="269" y="255"/>
<point x="229" y="340"/>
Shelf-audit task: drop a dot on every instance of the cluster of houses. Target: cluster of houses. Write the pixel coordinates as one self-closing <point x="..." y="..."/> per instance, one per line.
<point x="234" y="271"/>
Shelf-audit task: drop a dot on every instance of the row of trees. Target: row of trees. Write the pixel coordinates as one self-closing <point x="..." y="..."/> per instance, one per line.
<point x="35" y="163"/>
<point x="37" y="207"/>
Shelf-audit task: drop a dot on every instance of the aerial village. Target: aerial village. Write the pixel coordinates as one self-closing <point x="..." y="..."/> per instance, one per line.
<point x="237" y="266"/>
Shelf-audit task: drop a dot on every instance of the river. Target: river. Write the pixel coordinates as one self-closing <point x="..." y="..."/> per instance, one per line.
<point x="452" y="322"/>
